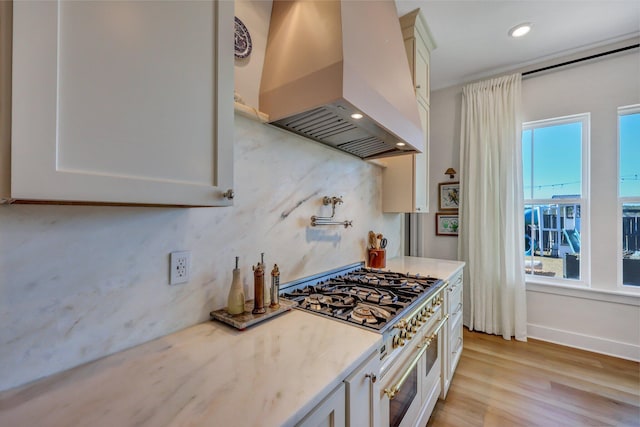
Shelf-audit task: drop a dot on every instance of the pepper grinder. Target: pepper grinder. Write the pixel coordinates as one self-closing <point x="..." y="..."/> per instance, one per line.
<point x="258" y="290"/>
<point x="235" y="301"/>
<point x="275" y="287"/>
<point x="266" y="294"/>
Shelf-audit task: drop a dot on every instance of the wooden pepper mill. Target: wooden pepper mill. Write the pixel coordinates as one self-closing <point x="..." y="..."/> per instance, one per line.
<point x="258" y="290"/>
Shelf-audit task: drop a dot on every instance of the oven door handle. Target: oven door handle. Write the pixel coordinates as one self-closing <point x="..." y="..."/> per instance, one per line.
<point x="393" y="391"/>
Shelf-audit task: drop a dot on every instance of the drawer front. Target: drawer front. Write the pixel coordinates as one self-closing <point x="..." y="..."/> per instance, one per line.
<point x="456" y="338"/>
<point x="455" y="345"/>
<point x="455" y="295"/>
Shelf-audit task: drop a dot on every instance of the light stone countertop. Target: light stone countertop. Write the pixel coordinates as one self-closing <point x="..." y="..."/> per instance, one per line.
<point x="438" y="268"/>
<point x="210" y="374"/>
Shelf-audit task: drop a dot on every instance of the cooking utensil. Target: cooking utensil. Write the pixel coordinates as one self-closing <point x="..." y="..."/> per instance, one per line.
<point x="383" y="243"/>
<point x="372" y="240"/>
<point x="379" y="237"/>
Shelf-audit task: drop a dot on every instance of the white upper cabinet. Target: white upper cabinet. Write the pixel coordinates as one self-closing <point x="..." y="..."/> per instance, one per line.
<point x="405" y="186"/>
<point x="122" y="102"/>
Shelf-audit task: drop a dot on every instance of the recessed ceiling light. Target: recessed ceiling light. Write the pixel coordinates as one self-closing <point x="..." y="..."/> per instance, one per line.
<point x="520" y="30"/>
<point x="400" y="144"/>
<point x="356" y="116"/>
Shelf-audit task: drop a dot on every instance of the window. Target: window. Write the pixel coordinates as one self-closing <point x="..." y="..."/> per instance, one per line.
<point x="555" y="178"/>
<point x="629" y="192"/>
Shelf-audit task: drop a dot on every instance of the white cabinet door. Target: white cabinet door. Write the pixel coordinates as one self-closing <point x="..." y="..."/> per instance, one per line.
<point x="122" y="102"/>
<point x="6" y="19"/>
<point x="421" y="165"/>
<point x="363" y="394"/>
<point x="422" y="70"/>
<point x="405" y="179"/>
<point x="329" y="413"/>
<point x="405" y="186"/>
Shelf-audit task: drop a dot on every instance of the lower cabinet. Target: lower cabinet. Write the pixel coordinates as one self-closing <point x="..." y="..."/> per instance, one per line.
<point x="354" y="403"/>
<point x="363" y="390"/>
<point x="330" y="412"/>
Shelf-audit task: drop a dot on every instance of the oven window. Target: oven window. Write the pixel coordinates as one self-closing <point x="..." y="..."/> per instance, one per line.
<point x="399" y="405"/>
<point x="432" y="355"/>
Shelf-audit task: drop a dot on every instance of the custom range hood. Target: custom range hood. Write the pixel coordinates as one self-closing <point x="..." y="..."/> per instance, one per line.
<point x="328" y="60"/>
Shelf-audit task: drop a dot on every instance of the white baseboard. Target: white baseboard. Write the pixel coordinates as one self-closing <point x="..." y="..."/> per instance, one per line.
<point x="584" y="342"/>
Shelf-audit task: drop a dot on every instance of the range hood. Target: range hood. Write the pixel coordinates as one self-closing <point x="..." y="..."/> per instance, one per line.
<point x="326" y="60"/>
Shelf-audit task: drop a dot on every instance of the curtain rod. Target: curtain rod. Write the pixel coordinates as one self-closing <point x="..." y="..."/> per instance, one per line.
<point x="586" y="58"/>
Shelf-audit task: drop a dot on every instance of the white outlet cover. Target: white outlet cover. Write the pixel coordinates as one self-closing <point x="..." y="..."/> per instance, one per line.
<point x="179" y="267"/>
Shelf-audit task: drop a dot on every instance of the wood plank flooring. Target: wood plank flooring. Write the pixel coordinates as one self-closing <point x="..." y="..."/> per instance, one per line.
<point x="511" y="383"/>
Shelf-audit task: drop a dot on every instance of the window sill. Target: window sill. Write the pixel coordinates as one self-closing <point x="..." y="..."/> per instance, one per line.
<point x="628" y="298"/>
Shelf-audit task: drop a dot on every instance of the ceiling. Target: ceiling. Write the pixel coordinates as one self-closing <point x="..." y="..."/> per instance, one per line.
<point x="472" y="40"/>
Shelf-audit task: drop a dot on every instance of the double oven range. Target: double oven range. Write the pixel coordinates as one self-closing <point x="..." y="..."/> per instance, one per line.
<point x="407" y="310"/>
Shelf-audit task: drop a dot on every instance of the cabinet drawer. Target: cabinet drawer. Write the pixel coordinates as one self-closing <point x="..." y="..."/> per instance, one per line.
<point x="455" y="295"/>
<point x="455" y="339"/>
<point x="455" y="346"/>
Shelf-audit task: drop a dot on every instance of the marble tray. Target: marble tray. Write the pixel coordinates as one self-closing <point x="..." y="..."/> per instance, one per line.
<point x="246" y="319"/>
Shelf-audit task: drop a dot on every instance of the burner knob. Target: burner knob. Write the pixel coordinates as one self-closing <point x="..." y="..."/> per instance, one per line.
<point x="413" y="329"/>
<point x="397" y="341"/>
<point x="401" y="324"/>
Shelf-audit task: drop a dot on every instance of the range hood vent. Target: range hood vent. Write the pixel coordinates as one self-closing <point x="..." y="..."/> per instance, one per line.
<point x="327" y="60"/>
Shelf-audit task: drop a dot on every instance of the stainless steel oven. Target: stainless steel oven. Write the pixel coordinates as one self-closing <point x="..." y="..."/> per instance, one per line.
<point x="411" y="386"/>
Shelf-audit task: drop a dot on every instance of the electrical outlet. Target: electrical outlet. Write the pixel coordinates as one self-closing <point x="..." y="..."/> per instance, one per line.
<point x="180" y="267"/>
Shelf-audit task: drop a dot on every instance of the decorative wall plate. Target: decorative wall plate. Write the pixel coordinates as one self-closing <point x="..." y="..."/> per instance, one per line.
<point x="242" y="40"/>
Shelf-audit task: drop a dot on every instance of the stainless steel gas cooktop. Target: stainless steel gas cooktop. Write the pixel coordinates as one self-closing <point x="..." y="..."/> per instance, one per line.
<point x="369" y="298"/>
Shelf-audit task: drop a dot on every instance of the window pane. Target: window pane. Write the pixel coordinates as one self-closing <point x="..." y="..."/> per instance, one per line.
<point x="552" y="240"/>
<point x="557" y="161"/>
<point x="631" y="244"/>
<point x="526" y="163"/>
<point x="630" y="155"/>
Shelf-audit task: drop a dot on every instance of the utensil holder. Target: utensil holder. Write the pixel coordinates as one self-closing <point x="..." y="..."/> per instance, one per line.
<point x="377" y="258"/>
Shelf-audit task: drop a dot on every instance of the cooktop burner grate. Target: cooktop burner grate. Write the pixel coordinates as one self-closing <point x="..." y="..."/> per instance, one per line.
<point x="369" y="298"/>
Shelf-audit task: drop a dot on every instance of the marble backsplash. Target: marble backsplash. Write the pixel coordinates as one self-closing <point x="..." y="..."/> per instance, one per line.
<point x="80" y="282"/>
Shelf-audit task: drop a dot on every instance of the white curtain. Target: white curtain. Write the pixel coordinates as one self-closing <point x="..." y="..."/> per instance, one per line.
<point x="491" y="206"/>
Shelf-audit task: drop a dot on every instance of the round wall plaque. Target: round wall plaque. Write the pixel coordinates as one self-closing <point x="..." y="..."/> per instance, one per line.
<point x="242" y="40"/>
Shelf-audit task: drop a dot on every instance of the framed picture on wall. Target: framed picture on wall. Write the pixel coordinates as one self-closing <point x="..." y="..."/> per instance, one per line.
<point x="448" y="196"/>
<point x="446" y="224"/>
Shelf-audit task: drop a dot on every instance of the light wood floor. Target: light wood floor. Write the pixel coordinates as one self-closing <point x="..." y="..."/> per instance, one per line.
<point x="510" y="383"/>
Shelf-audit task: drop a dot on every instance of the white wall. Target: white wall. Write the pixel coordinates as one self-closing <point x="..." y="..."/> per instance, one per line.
<point x="78" y="283"/>
<point x="600" y="321"/>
